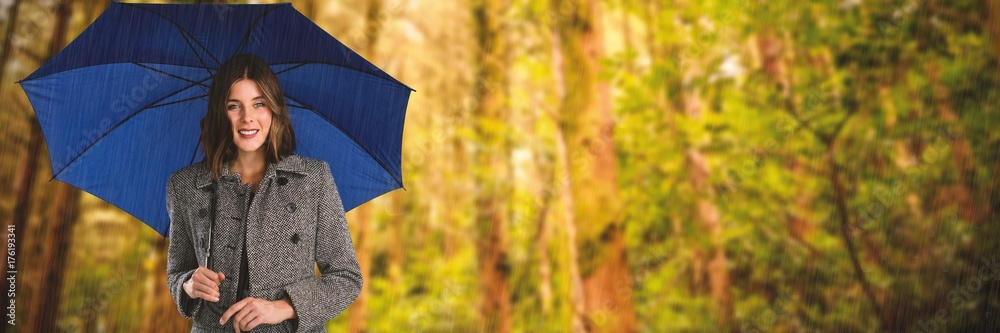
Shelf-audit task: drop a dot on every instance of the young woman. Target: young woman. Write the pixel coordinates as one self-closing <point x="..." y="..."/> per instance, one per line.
<point x="275" y="215"/>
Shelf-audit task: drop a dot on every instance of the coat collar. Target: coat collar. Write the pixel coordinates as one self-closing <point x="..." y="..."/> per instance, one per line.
<point x="291" y="163"/>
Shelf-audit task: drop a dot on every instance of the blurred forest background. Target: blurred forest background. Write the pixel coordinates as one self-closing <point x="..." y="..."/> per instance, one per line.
<point x="606" y="166"/>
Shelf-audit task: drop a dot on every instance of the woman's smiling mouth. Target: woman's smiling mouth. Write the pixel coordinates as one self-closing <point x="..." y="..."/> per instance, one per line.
<point x="246" y="134"/>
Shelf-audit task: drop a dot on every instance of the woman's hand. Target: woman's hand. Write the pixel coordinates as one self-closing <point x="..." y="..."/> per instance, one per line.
<point x="250" y="312"/>
<point x="204" y="284"/>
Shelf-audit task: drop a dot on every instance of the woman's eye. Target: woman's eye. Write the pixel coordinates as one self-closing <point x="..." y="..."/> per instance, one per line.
<point x="258" y="105"/>
<point x="233" y="107"/>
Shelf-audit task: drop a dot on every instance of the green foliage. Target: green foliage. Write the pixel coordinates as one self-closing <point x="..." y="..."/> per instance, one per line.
<point x="897" y="100"/>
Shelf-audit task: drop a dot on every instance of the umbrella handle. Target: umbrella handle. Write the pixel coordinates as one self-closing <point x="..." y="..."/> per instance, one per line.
<point x="211" y="230"/>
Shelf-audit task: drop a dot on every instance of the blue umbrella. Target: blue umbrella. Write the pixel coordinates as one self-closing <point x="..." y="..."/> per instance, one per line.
<point x="120" y="106"/>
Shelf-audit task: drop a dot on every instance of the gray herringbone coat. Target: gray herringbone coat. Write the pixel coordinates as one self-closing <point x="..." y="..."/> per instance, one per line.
<point x="296" y="218"/>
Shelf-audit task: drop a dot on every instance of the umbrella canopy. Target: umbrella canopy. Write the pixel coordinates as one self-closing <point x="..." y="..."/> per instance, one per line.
<point x="120" y="106"/>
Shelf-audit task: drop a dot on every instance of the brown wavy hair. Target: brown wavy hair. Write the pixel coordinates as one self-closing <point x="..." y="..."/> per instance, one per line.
<point x="216" y="130"/>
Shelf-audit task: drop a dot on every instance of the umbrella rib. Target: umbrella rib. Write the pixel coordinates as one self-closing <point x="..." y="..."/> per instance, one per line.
<point x="246" y="36"/>
<point x="112" y="129"/>
<point x="168" y="74"/>
<point x="184" y="33"/>
<point x="294" y="103"/>
<point x="394" y="80"/>
<point x="104" y="64"/>
<point x="297" y="105"/>
<point x="177" y="101"/>
<point x="288" y="69"/>
<point x="188" y="41"/>
<point x="348" y="134"/>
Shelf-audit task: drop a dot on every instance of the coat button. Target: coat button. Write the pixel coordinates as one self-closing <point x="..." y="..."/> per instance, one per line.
<point x="290" y="207"/>
<point x="202" y="212"/>
<point x="282" y="180"/>
<point x="295" y="238"/>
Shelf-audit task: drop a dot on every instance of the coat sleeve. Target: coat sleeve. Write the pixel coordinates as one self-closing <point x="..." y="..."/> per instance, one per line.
<point x="181" y="259"/>
<point x="317" y="300"/>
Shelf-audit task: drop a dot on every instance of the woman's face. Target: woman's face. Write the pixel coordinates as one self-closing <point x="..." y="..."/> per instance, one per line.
<point x="248" y="114"/>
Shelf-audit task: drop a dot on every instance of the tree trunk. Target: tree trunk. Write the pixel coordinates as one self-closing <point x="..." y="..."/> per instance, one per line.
<point x="493" y="174"/>
<point x="585" y="119"/>
<point x="363" y="221"/>
<point x="708" y="216"/>
<point x="578" y="299"/>
<point x="24" y="183"/>
<point x="95" y="8"/>
<point x="15" y="9"/>
<point x="542" y="186"/>
<point x="565" y="185"/>
<point x="58" y="240"/>
<point x="712" y="262"/>
<point x="23" y="186"/>
<point x="44" y="305"/>
<point x="544" y="264"/>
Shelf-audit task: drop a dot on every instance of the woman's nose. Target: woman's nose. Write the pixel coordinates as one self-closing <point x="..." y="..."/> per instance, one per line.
<point x="245" y="116"/>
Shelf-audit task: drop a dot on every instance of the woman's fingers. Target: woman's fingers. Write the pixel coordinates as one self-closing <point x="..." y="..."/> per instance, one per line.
<point x="256" y="321"/>
<point x="212" y="278"/>
<point x="206" y="284"/>
<point x="206" y="293"/>
<point x="209" y="274"/>
<point x="249" y="313"/>
<point x="250" y="321"/>
<point x="239" y="317"/>
<point x="233" y="310"/>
